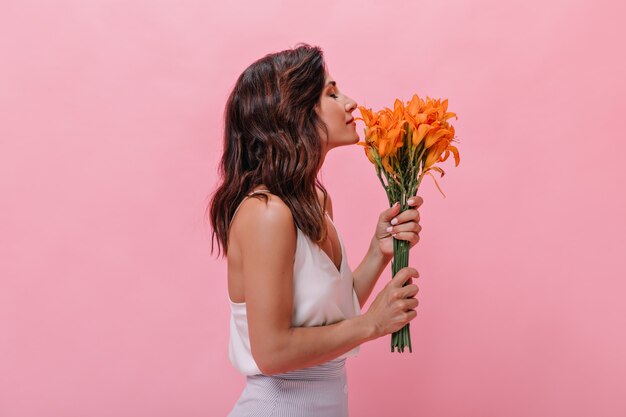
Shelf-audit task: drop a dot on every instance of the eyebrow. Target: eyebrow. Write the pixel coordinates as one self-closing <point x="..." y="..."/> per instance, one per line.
<point x="331" y="82"/>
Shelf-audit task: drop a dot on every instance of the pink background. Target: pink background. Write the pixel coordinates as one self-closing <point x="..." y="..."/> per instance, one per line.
<point x="110" y="134"/>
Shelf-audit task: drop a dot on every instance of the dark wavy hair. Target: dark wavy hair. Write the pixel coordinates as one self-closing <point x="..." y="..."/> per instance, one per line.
<point x="271" y="138"/>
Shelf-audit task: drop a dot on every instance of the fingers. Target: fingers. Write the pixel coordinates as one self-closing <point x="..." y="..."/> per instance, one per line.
<point x="390" y="213"/>
<point x="409" y="291"/>
<point x="410" y="303"/>
<point x="415" y="201"/>
<point x="411" y="227"/>
<point x="403" y="225"/>
<point x="409" y="215"/>
<point x="410" y="237"/>
<point x="404" y="275"/>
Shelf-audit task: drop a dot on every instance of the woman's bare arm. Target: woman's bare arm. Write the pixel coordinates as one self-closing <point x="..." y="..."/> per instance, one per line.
<point x="267" y="236"/>
<point x="368" y="272"/>
<point x="371" y="267"/>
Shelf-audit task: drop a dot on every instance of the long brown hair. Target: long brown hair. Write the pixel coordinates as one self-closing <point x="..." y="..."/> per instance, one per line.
<point x="271" y="138"/>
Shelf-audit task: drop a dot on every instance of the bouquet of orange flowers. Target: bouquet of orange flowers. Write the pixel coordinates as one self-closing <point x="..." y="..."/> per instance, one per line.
<point x="404" y="144"/>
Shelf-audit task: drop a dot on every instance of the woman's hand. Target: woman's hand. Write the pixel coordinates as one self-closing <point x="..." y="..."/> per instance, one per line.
<point x="395" y="225"/>
<point x="395" y="305"/>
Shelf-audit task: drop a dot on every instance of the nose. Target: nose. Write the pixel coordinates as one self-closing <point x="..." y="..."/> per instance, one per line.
<point x="351" y="105"/>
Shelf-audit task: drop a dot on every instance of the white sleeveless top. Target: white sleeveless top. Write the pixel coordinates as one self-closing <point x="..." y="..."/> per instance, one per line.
<point x="321" y="295"/>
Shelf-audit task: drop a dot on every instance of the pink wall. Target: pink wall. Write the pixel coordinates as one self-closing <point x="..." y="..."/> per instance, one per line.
<point x="110" y="132"/>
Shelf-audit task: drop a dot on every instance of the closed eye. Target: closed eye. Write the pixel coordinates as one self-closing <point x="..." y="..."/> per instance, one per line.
<point x="334" y="95"/>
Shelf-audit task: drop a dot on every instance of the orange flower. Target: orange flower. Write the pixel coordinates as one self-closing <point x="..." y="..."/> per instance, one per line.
<point x="418" y="135"/>
<point x="400" y="141"/>
<point x="418" y="123"/>
<point x="368" y="151"/>
<point x="440" y="152"/>
<point x="387" y="166"/>
<point x="414" y="106"/>
<point x="435" y="135"/>
<point x="434" y="154"/>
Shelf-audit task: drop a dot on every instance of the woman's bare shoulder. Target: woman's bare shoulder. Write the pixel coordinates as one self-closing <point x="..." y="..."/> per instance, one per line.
<point x="256" y="215"/>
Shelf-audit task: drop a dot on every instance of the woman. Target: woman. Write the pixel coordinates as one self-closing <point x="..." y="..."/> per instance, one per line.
<point x="295" y="303"/>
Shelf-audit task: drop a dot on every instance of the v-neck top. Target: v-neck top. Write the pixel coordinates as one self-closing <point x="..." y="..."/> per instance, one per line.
<point x="322" y="295"/>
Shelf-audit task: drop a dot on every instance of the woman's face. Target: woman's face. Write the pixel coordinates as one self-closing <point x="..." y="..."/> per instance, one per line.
<point x="335" y="109"/>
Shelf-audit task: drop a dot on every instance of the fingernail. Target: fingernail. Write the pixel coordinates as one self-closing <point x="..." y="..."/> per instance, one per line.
<point x="394" y="221"/>
<point x="396" y="203"/>
<point x="411" y="201"/>
<point x="390" y="228"/>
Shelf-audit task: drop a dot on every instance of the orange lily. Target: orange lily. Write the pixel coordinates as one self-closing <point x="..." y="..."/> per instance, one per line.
<point x="413" y="123"/>
<point x="391" y="139"/>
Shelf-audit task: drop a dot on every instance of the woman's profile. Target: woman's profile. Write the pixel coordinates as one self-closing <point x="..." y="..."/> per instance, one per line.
<point x="295" y="302"/>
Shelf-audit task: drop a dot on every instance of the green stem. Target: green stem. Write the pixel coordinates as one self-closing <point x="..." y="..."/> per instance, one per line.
<point x="400" y="338"/>
<point x="400" y="188"/>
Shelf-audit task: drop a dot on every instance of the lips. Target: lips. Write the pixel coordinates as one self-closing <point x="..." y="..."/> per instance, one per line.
<point x="350" y="121"/>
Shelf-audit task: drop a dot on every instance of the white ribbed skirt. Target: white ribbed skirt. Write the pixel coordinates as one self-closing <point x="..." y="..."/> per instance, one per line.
<point x="318" y="391"/>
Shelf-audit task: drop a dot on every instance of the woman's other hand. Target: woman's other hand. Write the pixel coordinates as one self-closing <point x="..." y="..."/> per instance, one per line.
<point x="395" y="225"/>
<point x="395" y="305"/>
